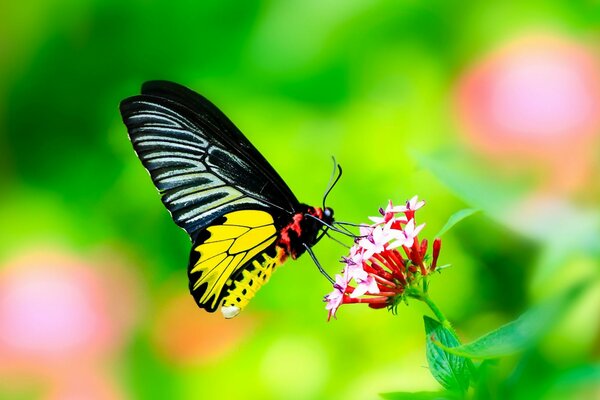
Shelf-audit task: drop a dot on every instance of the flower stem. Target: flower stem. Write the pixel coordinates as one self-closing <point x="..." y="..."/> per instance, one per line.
<point x="424" y="297"/>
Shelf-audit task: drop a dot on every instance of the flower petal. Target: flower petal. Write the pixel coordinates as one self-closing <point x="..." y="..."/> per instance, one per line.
<point x="368" y="285"/>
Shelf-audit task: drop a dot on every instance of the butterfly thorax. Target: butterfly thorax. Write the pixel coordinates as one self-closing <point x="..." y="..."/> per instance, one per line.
<point x="303" y="230"/>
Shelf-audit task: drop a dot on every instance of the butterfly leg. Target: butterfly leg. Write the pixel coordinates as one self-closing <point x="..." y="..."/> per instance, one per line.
<point x="314" y="258"/>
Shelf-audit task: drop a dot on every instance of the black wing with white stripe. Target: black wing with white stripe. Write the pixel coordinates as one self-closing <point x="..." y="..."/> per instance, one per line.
<point x="200" y="162"/>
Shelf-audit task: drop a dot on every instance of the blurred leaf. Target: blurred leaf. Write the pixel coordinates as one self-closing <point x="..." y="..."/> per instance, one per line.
<point x="449" y="370"/>
<point x="486" y="385"/>
<point x="585" y="376"/>
<point x="583" y="227"/>
<point x="472" y="184"/>
<point x="455" y="219"/>
<point x="521" y="333"/>
<point x="442" y="395"/>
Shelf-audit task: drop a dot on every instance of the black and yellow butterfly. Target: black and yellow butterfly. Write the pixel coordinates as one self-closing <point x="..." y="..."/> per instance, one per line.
<point x="242" y="218"/>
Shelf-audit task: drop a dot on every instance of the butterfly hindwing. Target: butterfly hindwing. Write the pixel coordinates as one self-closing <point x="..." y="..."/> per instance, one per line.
<point x="224" y="251"/>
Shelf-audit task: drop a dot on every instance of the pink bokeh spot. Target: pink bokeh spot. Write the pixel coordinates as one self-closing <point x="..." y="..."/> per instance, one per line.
<point x="52" y="311"/>
<point x="540" y="95"/>
<point x="533" y="96"/>
<point x="85" y="383"/>
<point x="59" y="312"/>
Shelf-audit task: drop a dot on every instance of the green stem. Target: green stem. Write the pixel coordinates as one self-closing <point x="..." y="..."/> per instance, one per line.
<point x="438" y="313"/>
<point x="424" y="297"/>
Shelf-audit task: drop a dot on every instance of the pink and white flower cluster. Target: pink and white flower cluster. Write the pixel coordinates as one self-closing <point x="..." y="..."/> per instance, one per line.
<point x="386" y="258"/>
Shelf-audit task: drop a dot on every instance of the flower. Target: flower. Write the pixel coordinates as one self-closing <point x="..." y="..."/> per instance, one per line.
<point x="389" y="214"/>
<point x="375" y="242"/>
<point x="368" y="284"/>
<point x="335" y="298"/>
<point x="407" y="236"/>
<point x="356" y="256"/>
<point x="413" y="204"/>
<point x="376" y="271"/>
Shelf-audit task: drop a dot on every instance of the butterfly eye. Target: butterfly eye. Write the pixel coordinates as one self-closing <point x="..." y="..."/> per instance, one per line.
<point x="328" y="213"/>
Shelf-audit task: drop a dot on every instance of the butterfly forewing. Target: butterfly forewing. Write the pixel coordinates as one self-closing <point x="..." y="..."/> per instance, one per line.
<point x="199" y="175"/>
<point x="177" y="158"/>
<point x="220" y="128"/>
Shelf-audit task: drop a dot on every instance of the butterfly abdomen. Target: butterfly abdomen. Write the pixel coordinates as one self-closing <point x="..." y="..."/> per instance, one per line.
<point x="250" y="280"/>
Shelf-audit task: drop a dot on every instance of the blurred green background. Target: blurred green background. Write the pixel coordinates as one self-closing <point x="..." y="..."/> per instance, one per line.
<point x="486" y="105"/>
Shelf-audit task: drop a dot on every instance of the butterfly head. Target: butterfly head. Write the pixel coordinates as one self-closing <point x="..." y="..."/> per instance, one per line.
<point x="320" y="217"/>
<point x="327" y="215"/>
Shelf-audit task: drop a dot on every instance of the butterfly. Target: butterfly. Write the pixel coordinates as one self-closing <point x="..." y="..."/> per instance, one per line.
<point x="242" y="218"/>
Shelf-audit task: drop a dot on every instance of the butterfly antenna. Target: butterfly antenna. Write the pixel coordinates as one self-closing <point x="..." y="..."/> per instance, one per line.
<point x="348" y="224"/>
<point x="345" y="232"/>
<point x="344" y="228"/>
<point x="332" y="181"/>
<point x="314" y="258"/>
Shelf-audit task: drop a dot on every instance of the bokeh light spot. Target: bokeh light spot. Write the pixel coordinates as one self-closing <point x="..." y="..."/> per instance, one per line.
<point x="280" y="368"/>
<point x="185" y="334"/>
<point x="533" y="96"/>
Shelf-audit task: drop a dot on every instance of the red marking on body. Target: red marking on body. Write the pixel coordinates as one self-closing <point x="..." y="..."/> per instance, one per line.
<point x="285" y="241"/>
<point x="317" y="212"/>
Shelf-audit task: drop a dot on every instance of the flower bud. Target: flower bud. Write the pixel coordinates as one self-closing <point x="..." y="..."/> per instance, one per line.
<point x="437" y="245"/>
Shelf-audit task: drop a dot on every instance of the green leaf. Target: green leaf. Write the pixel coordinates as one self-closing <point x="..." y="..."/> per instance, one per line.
<point x="442" y="395"/>
<point x="455" y="219"/>
<point x="519" y="334"/>
<point x="451" y="371"/>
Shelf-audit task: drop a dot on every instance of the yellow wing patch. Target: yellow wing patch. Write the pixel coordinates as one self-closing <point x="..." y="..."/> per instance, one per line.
<point x="232" y="244"/>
